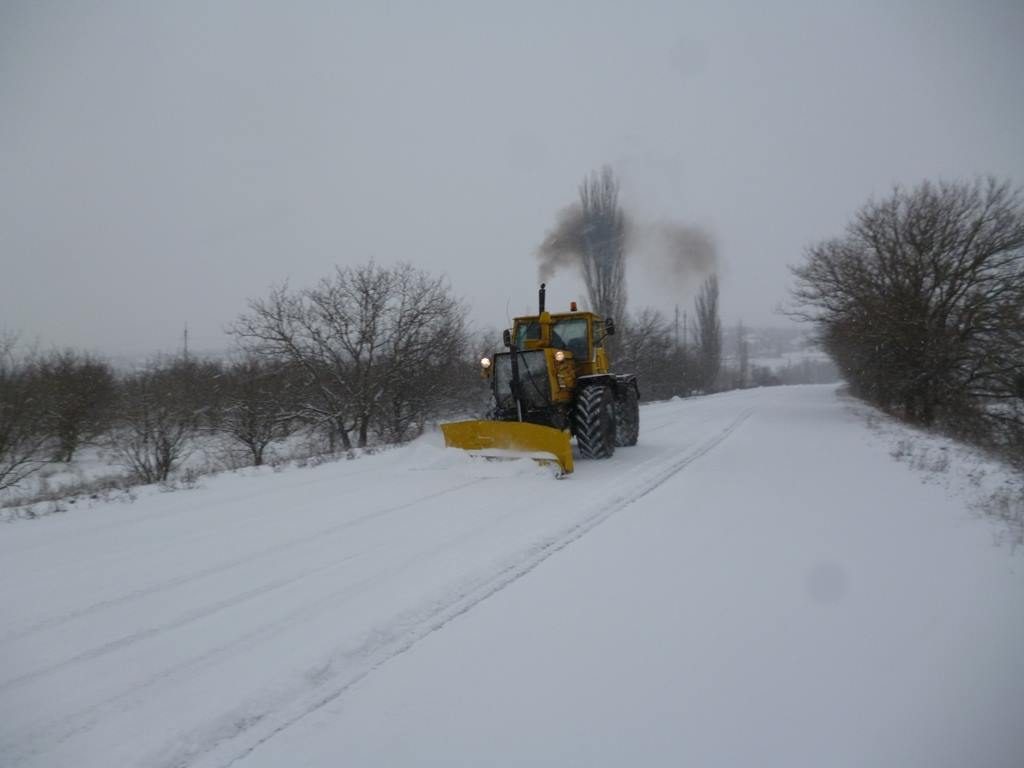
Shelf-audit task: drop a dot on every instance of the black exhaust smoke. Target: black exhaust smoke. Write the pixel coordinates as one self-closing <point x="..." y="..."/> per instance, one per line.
<point x="680" y="252"/>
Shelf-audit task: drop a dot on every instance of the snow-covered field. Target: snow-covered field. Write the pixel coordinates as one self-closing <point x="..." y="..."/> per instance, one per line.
<point x="759" y="582"/>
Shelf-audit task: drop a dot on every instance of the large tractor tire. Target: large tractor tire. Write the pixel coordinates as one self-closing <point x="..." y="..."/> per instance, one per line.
<point x="594" y="421"/>
<point x="627" y="419"/>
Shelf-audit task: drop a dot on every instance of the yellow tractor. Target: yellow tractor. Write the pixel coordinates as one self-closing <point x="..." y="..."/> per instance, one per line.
<point x="553" y="383"/>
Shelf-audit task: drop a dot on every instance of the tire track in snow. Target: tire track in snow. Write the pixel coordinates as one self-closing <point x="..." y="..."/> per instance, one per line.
<point x="217" y="747"/>
<point x="133" y="550"/>
<point x="184" y="620"/>
<point x="212" y="608"/>
<point x="56" y="732"/>
<point x="131" y="522"/>
<point x="237" y="732"/>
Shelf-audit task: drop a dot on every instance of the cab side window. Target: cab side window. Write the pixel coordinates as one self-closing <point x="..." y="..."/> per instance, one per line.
<point x="527" y="332"/>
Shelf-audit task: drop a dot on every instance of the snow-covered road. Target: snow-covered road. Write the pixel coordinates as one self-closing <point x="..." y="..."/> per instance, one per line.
<point x="757" y="582"/>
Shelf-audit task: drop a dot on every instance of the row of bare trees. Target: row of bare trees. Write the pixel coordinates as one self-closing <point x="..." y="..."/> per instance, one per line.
<point x="52" y="405"/>
<point x="921" y="304"/>
<point x="369" y="353"/>
<point x="648" y="346"/>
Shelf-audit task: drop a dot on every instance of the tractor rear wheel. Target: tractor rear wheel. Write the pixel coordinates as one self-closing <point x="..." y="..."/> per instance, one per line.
<point x="594" y="422"/>
<point x="627" y="418"/>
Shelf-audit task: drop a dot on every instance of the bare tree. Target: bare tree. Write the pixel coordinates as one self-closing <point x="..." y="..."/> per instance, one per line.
<point x="707" y="335"/>
<point x="921" y="304"/>
<point x="330" y="333"/>
<point x="79" y="392"/>
<point x="160" y="411"/>
<point x="742" y="356"/>
<point x="603" y="234"/>
<point x="259" y="405"/>
<point x="25" y="444"/>
<point x="647" y="349"/>
<point x="370" y="341"/>
<point x="426" y="338"/>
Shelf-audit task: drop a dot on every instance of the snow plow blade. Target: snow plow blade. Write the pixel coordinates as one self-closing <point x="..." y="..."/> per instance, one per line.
<point x="511" y="439"/>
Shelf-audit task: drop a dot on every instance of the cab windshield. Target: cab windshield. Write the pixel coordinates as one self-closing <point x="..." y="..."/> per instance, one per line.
<point x="570" y="334"/>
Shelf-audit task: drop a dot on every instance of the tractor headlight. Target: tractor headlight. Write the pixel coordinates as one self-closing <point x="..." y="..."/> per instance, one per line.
<point x="559" y="356"/>
<point x="485" y="362"/>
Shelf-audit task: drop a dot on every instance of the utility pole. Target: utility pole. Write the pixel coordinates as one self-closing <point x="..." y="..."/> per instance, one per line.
<point x="677" y="327"/>
<point x="185" y="337"/>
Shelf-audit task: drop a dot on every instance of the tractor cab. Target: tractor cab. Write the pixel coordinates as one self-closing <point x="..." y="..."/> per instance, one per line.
<point x="581" y="334"/>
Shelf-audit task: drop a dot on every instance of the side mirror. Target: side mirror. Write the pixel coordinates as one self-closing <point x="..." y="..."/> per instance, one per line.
<point x="609" y="327"/>
<point x="507" y="337"/>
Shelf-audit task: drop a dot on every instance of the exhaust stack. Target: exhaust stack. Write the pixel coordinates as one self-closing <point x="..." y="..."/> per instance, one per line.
<point x="540" y="299"/>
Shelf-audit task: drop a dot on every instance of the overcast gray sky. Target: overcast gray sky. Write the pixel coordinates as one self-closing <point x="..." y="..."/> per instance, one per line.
<point x="161" y="162"/>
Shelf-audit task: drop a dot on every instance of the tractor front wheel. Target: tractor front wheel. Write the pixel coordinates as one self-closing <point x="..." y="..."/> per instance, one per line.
<point x="594" y="421"/>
